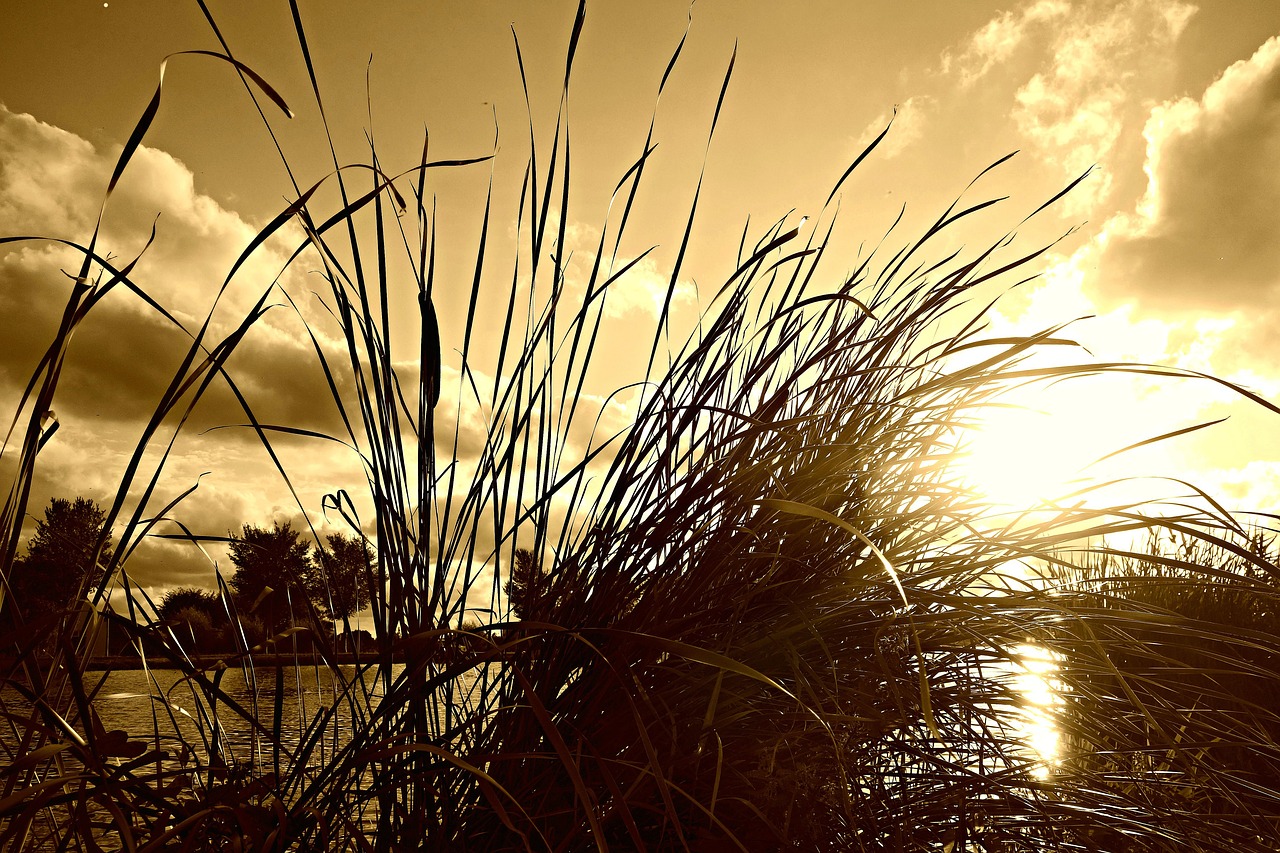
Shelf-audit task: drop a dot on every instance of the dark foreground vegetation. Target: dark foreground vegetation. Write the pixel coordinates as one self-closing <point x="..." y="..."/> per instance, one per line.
<point x="775" y="618"/>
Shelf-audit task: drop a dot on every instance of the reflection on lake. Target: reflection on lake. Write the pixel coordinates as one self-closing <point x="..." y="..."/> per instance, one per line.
<point x="1036" y="682"/>
<point x="179" y="724"/>
<point x="163" y="704"/>
<point x="141" y="702"/>
<point x="144" y="703"/>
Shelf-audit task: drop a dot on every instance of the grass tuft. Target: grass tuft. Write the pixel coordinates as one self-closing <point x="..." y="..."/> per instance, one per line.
<point x="766" y="614"/>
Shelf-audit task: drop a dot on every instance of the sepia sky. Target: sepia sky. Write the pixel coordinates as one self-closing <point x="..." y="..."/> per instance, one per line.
<point x="1172" y="245"/>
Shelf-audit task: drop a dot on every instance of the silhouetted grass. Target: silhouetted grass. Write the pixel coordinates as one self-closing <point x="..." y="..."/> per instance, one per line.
<point x="768" y="614"/>
<point x="1188" y="628"/>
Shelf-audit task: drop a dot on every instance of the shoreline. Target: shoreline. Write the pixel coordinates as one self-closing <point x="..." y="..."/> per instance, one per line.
<point x="272" y="660"/>
<point x="208" y="662"/>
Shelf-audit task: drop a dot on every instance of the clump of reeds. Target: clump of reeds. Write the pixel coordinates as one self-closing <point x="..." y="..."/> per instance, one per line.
<point x="767" y="615"/>
<point x="1172" y="714"/>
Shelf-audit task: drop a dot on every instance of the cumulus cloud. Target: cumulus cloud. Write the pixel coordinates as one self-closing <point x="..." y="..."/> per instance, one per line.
<point x="1081" y="69"/>
<point x="909" y="121"/>
<point x="1196" y="256"/>
<point x="46" y="175"/>
<point x="642" y="291"/>
<point x="125" y="353"/>
<point x="996" y="41"/>
<point x="1075" y="110"/>
<point x="1190" y="276"/>
<point x="636" y="295"/>
<point x="1203" y="238"/>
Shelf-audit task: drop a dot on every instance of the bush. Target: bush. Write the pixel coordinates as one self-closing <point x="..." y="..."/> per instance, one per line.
<point x="205" y="637"/>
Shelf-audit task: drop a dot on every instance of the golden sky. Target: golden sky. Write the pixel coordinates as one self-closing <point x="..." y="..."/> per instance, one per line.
<point x="1176" y="106"/>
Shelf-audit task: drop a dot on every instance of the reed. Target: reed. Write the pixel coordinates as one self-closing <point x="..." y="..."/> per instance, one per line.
<point x="768" y="614"/>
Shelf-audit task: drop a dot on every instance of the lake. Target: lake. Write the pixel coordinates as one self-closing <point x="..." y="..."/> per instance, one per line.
<point x="145" y="702"/>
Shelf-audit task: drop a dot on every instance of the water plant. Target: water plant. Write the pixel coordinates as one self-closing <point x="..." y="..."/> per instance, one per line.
<point x="766" y="614"/>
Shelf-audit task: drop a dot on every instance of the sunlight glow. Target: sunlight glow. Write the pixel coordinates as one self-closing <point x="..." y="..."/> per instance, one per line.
<point x="1035" y="681"/>
<point x="1020" y="458"/>
<point x="1042" y="445"/>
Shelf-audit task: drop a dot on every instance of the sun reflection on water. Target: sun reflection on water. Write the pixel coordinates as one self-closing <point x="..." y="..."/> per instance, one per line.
<point x="1036" y="682"/>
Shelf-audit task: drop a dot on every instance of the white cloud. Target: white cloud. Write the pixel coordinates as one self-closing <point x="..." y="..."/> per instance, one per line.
<point x="643" y="289"/>
<point x="46" y="174"/>
<point x="1253" y="484"/>
<point x="124" y="353"/>
<point x="52" y="184"/>
<point x="636" y="295"/>
<point x="908" y="127"/>
<point x="1190" y="277"/>
<point x="1075" y="110"/>
<point x="997" y="40"/>
<point x="1203" y="238"/>
<point x="1080" y="69"/>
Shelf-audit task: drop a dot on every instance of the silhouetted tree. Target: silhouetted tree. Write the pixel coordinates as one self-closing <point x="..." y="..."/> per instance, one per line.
<point x="191" y="598"/>
<point x="527" y="587"/>
<point x="343" y="589"/>
<point x="60" y="565"/>
<point x="197" y="613"/>
<point x="275" y="574"/>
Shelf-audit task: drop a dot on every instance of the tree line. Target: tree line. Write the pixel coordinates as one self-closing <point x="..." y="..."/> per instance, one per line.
<point x="280" y="580"/>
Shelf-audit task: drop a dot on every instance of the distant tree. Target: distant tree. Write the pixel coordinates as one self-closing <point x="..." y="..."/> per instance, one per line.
<point x="60" y="565"/>
<point x="343" y="587"/>
<point x="357" y="640"/>
<point x="191" y="598"/>
<point x="527" y="588"/>
<point x="195" y="623"/>
<point x="246" y="633"/>
<point x="275" y="574"/>
<point x="198" y="614"/>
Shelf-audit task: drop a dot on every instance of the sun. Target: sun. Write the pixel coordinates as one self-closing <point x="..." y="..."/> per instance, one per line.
<point x="1020" y="458"/>
<point x="1041" y="445"/>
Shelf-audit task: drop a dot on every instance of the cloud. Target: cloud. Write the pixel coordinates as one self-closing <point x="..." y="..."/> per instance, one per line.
<point x="72" y="464"/>
<point x="909" y="121"/>
<point x="1196" y="255"/>
<point x="636" y="295"/>
<point x="45" y="174"/>
<point x="1076" y="109"/>
<point x="124" y="353"/>
<point x="1203" y="237"/>
<point x="1079" y="71"/>
<point x="996" y="41"/>
<point x="642" y="291"/>
<point x="1189" y="276"/>
<point x="123" y="356"/>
